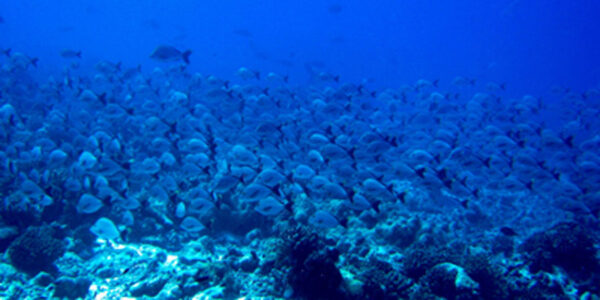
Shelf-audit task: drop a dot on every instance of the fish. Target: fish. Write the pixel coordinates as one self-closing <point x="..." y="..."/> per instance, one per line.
<point x="464" y="81"/>
<point x="246" y="73"/>
<point x="239" y="158"/>
<point x="424" y="83"/>
<point x="169" y="54"/>
<point x="20" y="60"/>
<point x="107" y="67"/>
<point x="324" y="219"/>
<point x="68" y="53"/>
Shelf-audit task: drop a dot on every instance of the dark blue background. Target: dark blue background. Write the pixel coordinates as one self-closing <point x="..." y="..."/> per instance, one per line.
<point x="530" y="45"/>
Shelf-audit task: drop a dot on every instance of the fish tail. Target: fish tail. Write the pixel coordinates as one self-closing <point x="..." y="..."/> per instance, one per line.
<point x="186" y="56"/>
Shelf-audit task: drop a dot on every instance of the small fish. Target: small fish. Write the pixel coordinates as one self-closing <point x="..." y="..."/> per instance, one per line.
<point x="68" y="53"/>
<point x="276" y="77"/>
<point x="246" y="73"/>
<point x="108" y="67"/>
<point x="464" y="81"/>
<point x="324" y="219"/>
<point x="325" y="76"/>
<point x="21" y="59"/>
<point x="1" y="20"/>
<point x="423" y="83"/>
<point x="495" y="87"/>
<point x="170" y="53"/>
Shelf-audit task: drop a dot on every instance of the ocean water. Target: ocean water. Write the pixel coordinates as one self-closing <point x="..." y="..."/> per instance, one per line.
<point x="285" y="149"/>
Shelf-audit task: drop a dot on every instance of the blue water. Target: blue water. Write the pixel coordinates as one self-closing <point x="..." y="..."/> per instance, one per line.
<point x="531" y="45"/>
<point x="300" y="149"/>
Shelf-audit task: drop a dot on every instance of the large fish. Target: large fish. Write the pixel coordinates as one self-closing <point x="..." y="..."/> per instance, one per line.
<point x="170" y="54"/>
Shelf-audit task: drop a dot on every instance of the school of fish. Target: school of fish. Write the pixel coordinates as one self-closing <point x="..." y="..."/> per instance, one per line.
<point x="129" y="155"/>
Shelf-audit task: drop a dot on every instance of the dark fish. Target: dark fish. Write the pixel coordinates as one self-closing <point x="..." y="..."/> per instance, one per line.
<point x="1" y="20"/>
<point x="68" y="53"/>
<point x="170" y="53"/>
<point x="131" y="72"/>
<point x="34" y="61"/>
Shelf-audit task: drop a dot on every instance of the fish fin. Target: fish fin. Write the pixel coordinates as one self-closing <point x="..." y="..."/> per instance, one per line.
<point x="102" y="98"/>
<point x="487" y="162"/>
<point x="420" y="172"/>
<point x="290" y="177"/>
<point x="289" y="205"/>
<point x="402" y="197"/>
<point x="568" y="141"/>
<point x="360" y="89"/>
<point x="344" y="222"/>
<point x="375" y="206"/>
<point x="529" y="184"/>
<point x="186" y="56"/>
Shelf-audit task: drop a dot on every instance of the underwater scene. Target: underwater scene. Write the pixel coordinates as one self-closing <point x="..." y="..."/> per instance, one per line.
<point x="292" y="149"/>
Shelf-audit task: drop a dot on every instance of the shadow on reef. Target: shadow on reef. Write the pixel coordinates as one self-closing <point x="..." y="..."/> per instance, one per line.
<point x="450" y="271"/>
